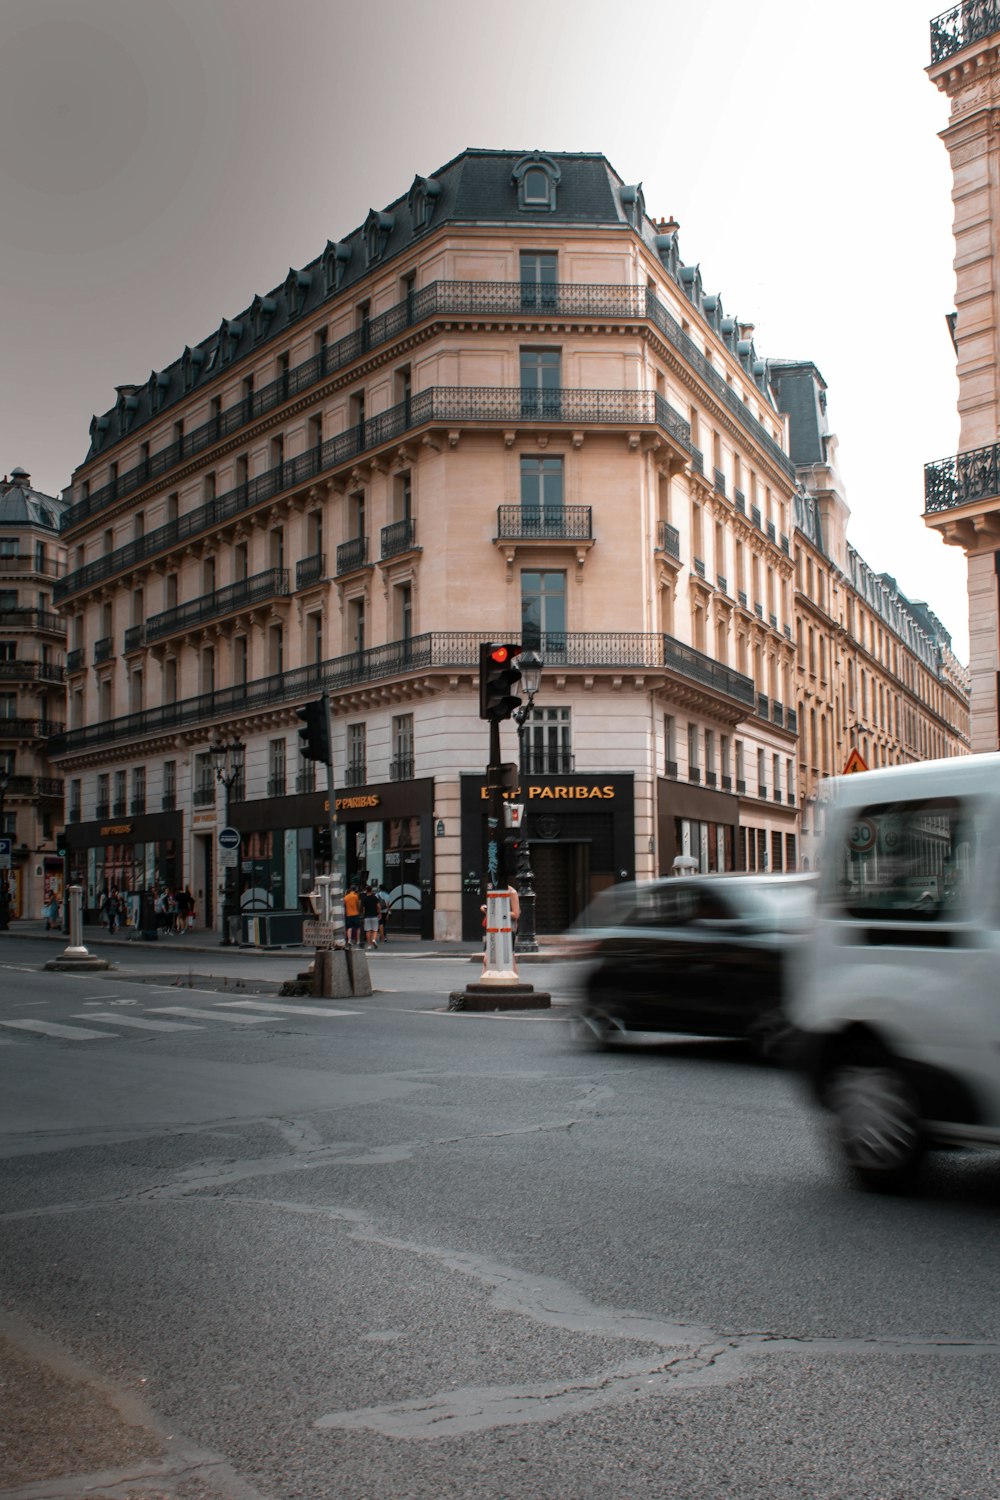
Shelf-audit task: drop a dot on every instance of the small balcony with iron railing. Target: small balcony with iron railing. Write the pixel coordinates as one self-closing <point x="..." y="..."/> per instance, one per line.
<point x="305" y="777"/>
<point x="204" y="793"/>
<point x="668" y="541"/>
<point x="75" y="661"/>
<point x="544" y="760"/>
<point x="957" y="28"/>
<point x="28" y="669"/>
<point x="352" y="555"/>
<point x="102" y="810"/>
<point x="39" y="621"/>
<point x="104" y="650"/>
<point x="168" y="801"/>
<point x="29" y="729"/>
<point x="276" y="784"/>
<point x="401" y="768"/>
<point x="398" y="537"/>
<point x="355" y="773"/>
<point x="310" y="570"/>
<point x="544" y="523"/>
<point x="971" y="478"/>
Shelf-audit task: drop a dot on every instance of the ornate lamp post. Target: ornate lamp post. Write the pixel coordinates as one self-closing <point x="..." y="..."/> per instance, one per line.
<point x="228" y="760"/>
<point x="4" y="879"/>
<point x="530" y="664"/>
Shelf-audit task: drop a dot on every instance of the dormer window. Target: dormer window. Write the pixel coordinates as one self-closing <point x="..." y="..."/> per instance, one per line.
<point x="262" y="310"/>
<point x="191" y="363"/>
<point x="128" y="404"/>
<point x="98" y="431"/>
<point x="158" y="385"/>
<point x="634" y="205"/>
<point x="230" y="334"/>
<point x="423" y="195"/>
<point x="297" y="284"/>
<point x="537" y="178"/>
<point x="378" y="227"/>
<point x="336" y="259"/>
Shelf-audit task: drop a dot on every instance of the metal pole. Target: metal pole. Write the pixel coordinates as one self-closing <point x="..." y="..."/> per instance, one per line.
<point x="227" y="895"/>
<point x="4" y="880"/>
<point x="525" y="879"/>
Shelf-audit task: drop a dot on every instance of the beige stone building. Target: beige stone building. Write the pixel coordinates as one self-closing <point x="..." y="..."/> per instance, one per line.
<point x="962" y="492"/>
<point x="503" y="408"/>
<point x="32" y="690"/>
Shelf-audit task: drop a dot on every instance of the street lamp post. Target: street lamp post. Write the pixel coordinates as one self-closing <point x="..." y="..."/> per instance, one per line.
<point x="530" y="664"/>
<point x="4" y="881"/>
<point x="228" y="760"/>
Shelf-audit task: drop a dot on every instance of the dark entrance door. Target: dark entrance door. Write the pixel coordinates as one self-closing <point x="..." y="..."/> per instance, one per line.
<point x="562" y="884"/>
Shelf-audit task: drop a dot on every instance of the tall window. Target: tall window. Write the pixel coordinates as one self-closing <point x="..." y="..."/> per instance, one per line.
<point x="103" y="809"/>
<point x="276" y="649"/>
<point x="694" y="763"/>
<point x="356" y="625"/>
<point x="206" y="669"/>
<point x="541" y="490"/>
<point x="541" y="379"/>
<point x="120" y="794"/>
<point x="401" y="766"/>
<point x="138" y="791"/>
<point x="538" y="279"/>
<point x="241" y="658"/>
<point x="276" y="768"/>
<point x="403" y="611"/>
<point x="670" y="744"/>
<point x="548" y="742"/>
<point x="543" y="613"/>
<point x="357" y="754"/>
<point x="169" y="785"/>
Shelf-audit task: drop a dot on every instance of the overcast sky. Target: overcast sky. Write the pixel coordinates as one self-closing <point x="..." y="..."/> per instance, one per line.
<point x="161" y="161"/>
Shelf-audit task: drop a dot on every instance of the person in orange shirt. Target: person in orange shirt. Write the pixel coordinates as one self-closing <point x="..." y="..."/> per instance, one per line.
<point x="352" y="917"/>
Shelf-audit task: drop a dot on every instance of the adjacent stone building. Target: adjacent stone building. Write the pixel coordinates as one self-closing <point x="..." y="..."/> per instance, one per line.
<point x="503" y="408"/>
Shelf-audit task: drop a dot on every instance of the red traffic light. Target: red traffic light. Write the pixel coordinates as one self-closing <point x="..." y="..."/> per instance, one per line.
<point x="499" y="654"/>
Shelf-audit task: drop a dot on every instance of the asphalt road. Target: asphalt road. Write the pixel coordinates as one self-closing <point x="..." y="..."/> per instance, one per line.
<point x="376" y="1249"/>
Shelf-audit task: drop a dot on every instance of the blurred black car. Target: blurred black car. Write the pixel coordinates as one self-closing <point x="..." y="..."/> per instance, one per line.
<point x="706" y="954"/>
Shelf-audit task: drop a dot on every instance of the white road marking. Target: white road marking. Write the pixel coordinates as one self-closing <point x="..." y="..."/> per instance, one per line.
<point x="288" y="1010"/>
<point x="50" y="1028"/>
<point x="140" y="1024"/>
<point x="211" y="1015"/>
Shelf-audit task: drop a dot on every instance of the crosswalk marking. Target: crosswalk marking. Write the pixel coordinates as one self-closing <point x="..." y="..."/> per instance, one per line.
<point x="50" y="1028"/>
<point x="288" y="1010"/>
<point x="210" y="1015"/>
<point x="120" y="1020"/>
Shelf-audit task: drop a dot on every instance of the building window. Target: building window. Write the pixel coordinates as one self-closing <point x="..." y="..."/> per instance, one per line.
<point x="75" y="801"/>
<point x="670" y="744"/>
<point x="138" y="791"/>
<point x="401" y="765"/>
<point x="276" y="768"/>
<point x="357" y="754"/>
<point x="541" y="490"/>
<point x="356" y="625"/>
<point x="537" y="179"/>
<point x="539" y="283"/>
<point x="120" y="794"/>
<point x="694" y="760"/>
<point x="403" y="611"/>
<point x="169" y="785"/>
<point x="422" y="197"/>
<point x="548" y="746"/>
<point x="241" y="659"/>
<point x="761" y="773"/>
<point x="103" y="806"/>
<point x="276" y="650"/>
<point x="206" y="670"/>
<point x="204" y="780"/>
<point x="543" y="613"/>
<point x="541" y="377"/>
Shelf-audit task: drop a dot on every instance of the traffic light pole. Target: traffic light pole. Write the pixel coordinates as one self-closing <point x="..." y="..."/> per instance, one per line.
<point x="496" y="872"/>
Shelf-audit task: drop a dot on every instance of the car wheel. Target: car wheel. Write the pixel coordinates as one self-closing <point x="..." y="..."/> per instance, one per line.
<point x="877" y="1121"/>
<point x="596" y="1028"/>
<point x="769" y="1035"/>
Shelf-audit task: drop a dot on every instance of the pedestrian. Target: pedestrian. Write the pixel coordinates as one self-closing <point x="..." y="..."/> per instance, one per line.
<point x="383" y="912"/>
<point x="52" y="913"/>
<point x="185" y="906"/>
<point x="189" y="903"/>
<point x="112" y="909"/>
<point x="160" y="909"/>
<point x="370" y="911"/>
<point x="352" y="917"/>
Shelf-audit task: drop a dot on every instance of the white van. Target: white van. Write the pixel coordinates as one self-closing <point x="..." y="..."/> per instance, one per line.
<point x="897" y="999"/>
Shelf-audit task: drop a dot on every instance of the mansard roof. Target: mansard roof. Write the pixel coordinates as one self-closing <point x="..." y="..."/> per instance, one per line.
<point x="479" y="186"/>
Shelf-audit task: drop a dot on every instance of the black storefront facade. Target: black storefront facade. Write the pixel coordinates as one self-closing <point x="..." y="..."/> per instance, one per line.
<point x="697" y="821"/>
<point x="581" y="833"/>
<point x="135" y="855"/>
<point x="385" y="833"/>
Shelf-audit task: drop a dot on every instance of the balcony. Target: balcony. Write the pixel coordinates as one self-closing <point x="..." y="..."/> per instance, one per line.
<point x="699" y="567"/>
<point x="565" y="523"/>
<point x="168" y="801"/>
<point x="352" y="555"/>
<point x="104" y="649"/>
<point x="204" y="794"/>
<point x="118" y="807"/>
<point x="719" y="481"/>
<point x="33" y="619"/>
<point x="401" y="768"/>
<point x="965" y="479"/>
<point x="961" y="26"/>
<point x="444" y="652"/>
<point x="35" y="787"/>
<point x="29" y="729"/>
<point x="540" y="761"/>
<point x="133" y="640"/>
<point x="305" y="777"/>
<point x="26" y="669"/>
<point x="74" y="660"/>
<point x="694" y="774"/>
<point x="102" y="810"/>
<point x="398" y="537"/>
<point x="310" y="570"/>
<point x="276" y="785"/>
<point x="668" y="540"/>
<point x="670" y="769"/>
<point x="356" y="773"/>
<point x="138" y="806"/>
<point x="271" y="584"/>
<point x="740" y="501"/>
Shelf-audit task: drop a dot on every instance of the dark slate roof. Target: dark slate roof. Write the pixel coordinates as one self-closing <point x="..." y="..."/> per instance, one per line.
<point x="800" y="392"/>
<point x="20" y="505"/>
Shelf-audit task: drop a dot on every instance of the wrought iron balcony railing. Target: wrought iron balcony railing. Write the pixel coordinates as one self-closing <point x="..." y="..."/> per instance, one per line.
<point x="544" y="523"/>
<point x="962" y="480"/>
<point x="138" y="806"/>
<point x="309" y="570"/>
<point x="34" y="786"/>
<point x="102" y="810"/>
<point x="276" y="785"/>
<point x="540" y="761"/>
<point x="271" y="584"/>
<point x="356" y="773"/>
<point x="352" y="554"/>
<point x="961" y="26"/>
<point x="29" y="729"/>
<point x="450" y="650"/>
<point x="33" y="619"/>
<point x="398" y="536"/>
<point x="168" y="802"/>
<point x="204" y="794"/>
<point x="401" y="768"/>
<point x="440" y="298"/>
<point x="104" y="649"/>
<point x="74" y="660"/>
<point x="27" y="669"/>
<point x="305" y="777"/>
<point x="668" y="539"/>
<point x="118" y="807"/>
<point x="133" y="639"/>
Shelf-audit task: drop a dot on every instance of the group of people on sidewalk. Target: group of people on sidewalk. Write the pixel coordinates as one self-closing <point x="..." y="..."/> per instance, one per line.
<point x="365" y="908"/>
<point x="173" y="911"/>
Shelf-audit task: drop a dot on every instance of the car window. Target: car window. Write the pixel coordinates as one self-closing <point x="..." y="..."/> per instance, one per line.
<point x="906" y="861"/>
<point x="666" y="905"/>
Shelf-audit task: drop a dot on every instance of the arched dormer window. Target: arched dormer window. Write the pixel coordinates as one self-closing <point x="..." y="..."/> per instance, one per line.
<point x="191" y="363"/>
<point x="729" y="332"/>
<point x="378" y="227"/>
<point x="713" y="311"/>
<point x="98" y="432"/>
<point x="634" y="204"/>
<point x="336" y="259"/>
<point x="230" y="333"/>
<point x="667" y="247"/>
<point x="158" y="385"/>
<point x="262" y="310"/>
<point x="128" y="405"/>
<point x="422" y="198"/>
<point x="297" y="284"/>
<point x="690" y="280"/>
<point x="537" y="178"/>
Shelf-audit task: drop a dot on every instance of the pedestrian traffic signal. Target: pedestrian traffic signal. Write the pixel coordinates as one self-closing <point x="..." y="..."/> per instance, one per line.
<point x="314" y="736"/>
<point x="61" y="847"/>
<point x="324" y="844"/>
<point x="499" y="675"/>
